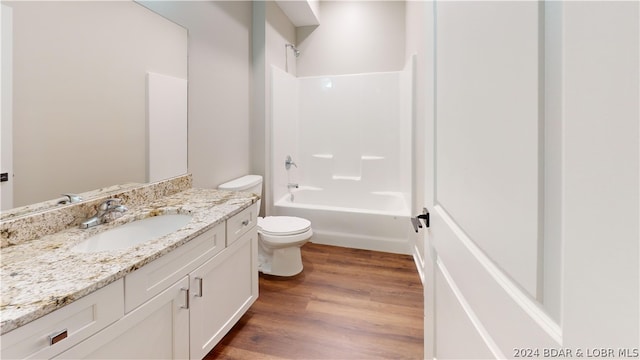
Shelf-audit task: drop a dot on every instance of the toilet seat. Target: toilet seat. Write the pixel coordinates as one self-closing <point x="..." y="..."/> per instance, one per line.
<point x="284" y="241"/>
<point x="279" y="232"/>
<point x="283" y="225"/>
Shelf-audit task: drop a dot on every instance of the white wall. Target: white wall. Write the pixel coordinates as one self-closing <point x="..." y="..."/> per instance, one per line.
<point x="354" y="37"/>
<point x="279" y="31"/>
<point x="79" y="92"/>
<point x="272" y="30"/>
<point x="219" y="86"/>
<point x="601" y="168"/>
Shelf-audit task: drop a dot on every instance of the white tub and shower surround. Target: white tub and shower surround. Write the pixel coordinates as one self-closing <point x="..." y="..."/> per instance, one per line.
<point x="350" y="136"/>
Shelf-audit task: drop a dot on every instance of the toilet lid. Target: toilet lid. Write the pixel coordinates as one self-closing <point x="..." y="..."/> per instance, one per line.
<point x="283" y="225"/>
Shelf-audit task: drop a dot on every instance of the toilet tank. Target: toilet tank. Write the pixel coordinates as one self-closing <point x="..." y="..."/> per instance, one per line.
<point x="248" y="183"/>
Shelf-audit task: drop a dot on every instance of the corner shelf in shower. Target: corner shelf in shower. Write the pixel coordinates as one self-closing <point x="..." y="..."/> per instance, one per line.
<point x="346" y="177"/>
<point x="323" y="156"/>
<point x="371" y="157"/>
<point x="363" y="157"/>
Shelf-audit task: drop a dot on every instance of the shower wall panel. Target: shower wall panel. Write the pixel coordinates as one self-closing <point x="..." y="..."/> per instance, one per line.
<point x="348" y="134"/>
<point x="355" y="132"/>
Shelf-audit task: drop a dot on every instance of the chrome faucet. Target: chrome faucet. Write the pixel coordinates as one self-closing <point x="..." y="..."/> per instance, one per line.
<point x="109" y="206"/>
<point x="292" y="186"/>
<point x="288" y="162"/>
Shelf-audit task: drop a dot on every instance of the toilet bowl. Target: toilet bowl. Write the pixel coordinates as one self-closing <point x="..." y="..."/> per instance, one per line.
<point x="279" y="237"/>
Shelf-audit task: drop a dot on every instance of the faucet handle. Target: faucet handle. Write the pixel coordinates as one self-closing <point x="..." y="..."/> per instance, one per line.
<point x="288" y="162"/>
<point x="73" y="198"/>
<point x="107" y="204"/>
<point x="70" y="199"/>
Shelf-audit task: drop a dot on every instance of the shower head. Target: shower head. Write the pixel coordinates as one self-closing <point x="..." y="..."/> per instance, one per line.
<point x="296" y="52"/>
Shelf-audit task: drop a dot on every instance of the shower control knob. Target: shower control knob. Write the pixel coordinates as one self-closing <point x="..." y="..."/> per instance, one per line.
<point x="288" y="162"/>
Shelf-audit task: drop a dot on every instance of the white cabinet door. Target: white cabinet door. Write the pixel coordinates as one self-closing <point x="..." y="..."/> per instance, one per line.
<point x="159" y="329"/>
<point x="534" y="190"/>
<point x="222" y="290"/>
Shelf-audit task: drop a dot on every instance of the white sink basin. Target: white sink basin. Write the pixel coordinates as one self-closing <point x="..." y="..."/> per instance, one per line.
<point x="133" y="233"/>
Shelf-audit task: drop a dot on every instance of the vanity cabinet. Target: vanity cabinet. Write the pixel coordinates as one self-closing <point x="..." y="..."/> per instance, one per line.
<point x="178" y="306"/>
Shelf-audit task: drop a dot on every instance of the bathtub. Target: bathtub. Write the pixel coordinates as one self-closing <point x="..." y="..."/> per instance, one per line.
<point x="377" y="221"/>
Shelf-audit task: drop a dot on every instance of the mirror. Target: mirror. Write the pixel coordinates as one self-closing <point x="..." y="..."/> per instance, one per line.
<point x="78" y="92"/>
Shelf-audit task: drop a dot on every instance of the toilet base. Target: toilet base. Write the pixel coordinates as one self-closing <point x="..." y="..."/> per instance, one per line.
<point x="280" y="262"/>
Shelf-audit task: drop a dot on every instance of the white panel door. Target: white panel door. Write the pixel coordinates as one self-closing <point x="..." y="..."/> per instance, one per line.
<point x="533" y="249"/>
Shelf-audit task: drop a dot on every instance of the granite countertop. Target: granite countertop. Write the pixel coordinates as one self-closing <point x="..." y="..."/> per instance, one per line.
<point x="44" y="274"/>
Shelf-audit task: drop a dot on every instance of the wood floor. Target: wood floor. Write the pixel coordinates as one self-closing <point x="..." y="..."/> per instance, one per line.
<point x="346" y="304"/>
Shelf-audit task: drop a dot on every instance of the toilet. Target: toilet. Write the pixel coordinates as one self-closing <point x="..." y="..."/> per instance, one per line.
<point x="279" y="237"/>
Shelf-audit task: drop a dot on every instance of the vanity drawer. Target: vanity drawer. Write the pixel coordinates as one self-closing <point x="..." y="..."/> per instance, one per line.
<point x="153" y="278"/>
<point x="242" y="222"/>
<point x="77" y="321"/>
